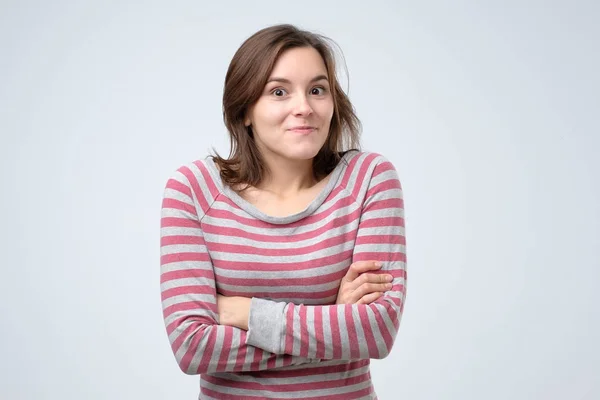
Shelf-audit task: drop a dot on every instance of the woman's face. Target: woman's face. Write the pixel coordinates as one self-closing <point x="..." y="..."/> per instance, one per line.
<point x="291" y="118"/>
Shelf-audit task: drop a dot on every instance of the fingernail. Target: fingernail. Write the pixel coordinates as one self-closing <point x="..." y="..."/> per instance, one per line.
<point x="389" y="278"/>
<point x="378" y="264"/>
<point x="388" y="286"/>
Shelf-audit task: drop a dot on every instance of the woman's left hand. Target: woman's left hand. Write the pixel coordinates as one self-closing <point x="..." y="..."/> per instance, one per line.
<point x="233" y="311"/>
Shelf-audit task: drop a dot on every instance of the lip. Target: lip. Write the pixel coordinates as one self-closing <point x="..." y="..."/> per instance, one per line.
<point x="302" y="129"/>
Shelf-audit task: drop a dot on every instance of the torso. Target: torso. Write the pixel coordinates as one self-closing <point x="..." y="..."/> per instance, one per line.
<point x="287" y="250"/>
<point x="293" y="249"/>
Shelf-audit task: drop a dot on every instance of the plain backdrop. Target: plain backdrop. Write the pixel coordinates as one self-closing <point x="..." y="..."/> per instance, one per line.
<point x="489" y="111"/>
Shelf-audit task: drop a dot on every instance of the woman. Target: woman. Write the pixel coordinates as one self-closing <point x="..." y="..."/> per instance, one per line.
<point x="283" y="267"/>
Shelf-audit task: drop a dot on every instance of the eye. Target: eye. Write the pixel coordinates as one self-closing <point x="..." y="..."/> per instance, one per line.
<point x="318" y="91"/>
<point x="278" y="92"/>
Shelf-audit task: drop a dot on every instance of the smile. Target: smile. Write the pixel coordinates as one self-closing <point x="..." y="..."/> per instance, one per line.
<point x="302" y="130"/>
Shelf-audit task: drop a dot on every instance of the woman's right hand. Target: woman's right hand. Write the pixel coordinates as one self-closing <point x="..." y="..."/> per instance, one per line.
<point x="359" y="286"/>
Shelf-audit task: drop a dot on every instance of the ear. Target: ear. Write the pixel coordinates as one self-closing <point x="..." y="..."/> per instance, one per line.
<point x="247" y="117"/>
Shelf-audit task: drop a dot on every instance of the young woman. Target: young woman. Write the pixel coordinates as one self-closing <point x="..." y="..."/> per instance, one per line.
<point x="283" y="266"/>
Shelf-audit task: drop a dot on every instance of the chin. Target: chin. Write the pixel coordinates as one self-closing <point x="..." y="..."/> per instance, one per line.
<point x="304" y="154"/>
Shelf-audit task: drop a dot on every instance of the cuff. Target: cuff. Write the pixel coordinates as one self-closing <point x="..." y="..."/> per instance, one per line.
<point x="265" y="325"/>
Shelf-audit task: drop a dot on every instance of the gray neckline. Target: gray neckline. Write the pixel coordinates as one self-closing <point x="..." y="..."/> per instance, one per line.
<point x="288" y="219"/>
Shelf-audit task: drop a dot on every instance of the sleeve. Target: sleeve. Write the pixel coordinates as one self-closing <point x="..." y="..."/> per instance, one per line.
<point x="188" y="293"/>
<point x="347" y="331"/>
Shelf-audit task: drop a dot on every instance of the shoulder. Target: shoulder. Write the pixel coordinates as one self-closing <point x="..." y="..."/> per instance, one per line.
<point x="363" y="165"/>
<point x="369" y="173"/>
<point x="192" y="172"/>
<point x="198" y="179"/>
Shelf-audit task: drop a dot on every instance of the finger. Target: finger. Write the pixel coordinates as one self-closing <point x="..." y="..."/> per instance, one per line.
<point x="373" y="278"/>
<point x="369" y="278"/>
<point x="359" y="267"/>
<point x="367" y="288"/>
<point x="369" y="298"/>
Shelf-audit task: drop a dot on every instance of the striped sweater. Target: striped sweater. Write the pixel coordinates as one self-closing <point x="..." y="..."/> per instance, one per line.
<point x="299" y="343"/>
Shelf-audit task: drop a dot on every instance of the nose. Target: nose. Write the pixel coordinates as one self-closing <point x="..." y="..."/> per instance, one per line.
<point x="302" y="106"/>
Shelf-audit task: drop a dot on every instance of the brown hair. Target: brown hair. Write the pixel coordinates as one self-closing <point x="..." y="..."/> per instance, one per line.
<point x="246" y="78"/>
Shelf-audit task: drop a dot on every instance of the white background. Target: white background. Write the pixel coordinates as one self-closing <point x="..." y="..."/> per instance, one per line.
<point x="489" y="111"/>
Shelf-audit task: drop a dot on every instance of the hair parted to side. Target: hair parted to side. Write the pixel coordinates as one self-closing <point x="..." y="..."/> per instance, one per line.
<point x="245" y="80"/>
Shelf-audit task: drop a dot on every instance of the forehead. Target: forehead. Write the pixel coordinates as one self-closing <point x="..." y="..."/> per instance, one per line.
<point x="298" y="63"/>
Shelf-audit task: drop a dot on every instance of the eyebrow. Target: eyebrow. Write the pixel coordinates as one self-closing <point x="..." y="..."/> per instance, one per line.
<point x="284" y="80"/>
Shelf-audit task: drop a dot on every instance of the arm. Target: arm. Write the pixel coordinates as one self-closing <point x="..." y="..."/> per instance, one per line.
<point x="188" y="294"/>
<point x="347" y="331"/>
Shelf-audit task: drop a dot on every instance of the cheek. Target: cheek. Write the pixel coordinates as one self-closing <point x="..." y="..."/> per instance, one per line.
<point x="270" y="115"/>
<point x="326" y="109"/>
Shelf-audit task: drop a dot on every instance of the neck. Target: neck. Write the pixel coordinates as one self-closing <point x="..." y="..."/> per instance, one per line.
<point x="287" y="177"/>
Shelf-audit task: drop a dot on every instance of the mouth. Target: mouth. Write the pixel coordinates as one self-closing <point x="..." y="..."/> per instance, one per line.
<point x="302" y="129"/>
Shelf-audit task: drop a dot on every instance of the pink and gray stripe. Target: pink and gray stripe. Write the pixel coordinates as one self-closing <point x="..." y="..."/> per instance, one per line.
<point x="299" y="344"/>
